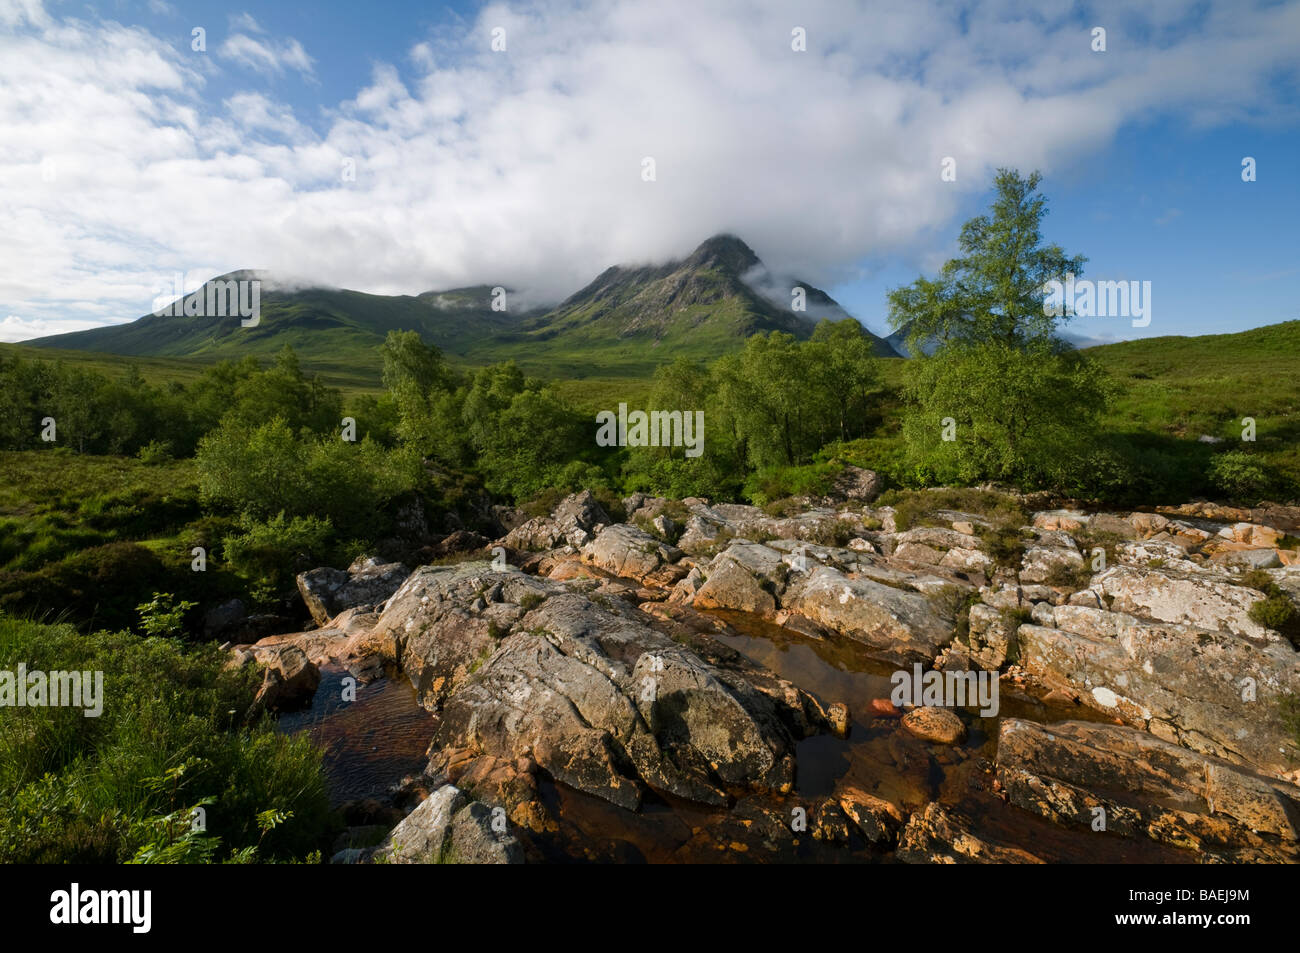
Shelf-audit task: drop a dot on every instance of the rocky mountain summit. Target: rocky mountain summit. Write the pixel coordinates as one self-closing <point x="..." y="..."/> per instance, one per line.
<point x="1146" y="697"/>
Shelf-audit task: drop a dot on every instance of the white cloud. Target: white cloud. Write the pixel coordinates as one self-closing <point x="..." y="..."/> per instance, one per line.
<point x="266" y="56"/>
<point x="245" y="22"/>
<point x="523" y="168"/>
<point x="14" y="329"/>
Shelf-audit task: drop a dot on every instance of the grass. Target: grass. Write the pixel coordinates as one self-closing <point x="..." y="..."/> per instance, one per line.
<point x="172" y="735"/>
<point x="88" y="538"/>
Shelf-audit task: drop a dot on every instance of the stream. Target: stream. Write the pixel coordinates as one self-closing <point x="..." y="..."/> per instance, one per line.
<point x="372" y="743"/>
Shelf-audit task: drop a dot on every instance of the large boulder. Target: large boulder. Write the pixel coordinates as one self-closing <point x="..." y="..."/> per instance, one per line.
<point x="594" y="694"/>
<point x="628" y="552"/>
<point x="1077" y="773"/>
<point x="1201" y="599"/>
<point x="746" y="576"/>
<point x="899" y="625"/>
<point x="367" y="582"/>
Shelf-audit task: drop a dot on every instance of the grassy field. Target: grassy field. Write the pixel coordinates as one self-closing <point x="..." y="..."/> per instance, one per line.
<point x="1177" y="389"/>
<point x="88" y="538"/>
<point x="349" y="375"/>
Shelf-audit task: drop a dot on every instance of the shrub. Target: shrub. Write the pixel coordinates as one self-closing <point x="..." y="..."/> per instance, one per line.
<point x="276" y="548"/>
<point x="913" y="507"/>
<point x="163" y="615"/>
<point x="1277" y="611"/>
<point x="1238" y="474"/>
<point x="155" y="452"/>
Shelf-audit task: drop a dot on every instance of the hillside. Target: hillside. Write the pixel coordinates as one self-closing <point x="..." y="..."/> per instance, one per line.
<point x="624" y="323"/>
<point x="331" y="329"/>
<point x="629" y="320"/>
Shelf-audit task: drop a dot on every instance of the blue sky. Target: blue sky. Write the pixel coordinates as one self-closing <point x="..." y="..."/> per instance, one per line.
<point x="1165" y="204"/>
<point x="129" y="157"/>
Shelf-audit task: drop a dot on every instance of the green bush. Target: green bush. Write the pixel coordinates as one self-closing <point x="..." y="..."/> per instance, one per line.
<point x="776" y="483"/>
<point x="98" y="587"/>
<point x="1239" y="474"/>
<point x="275" y="549"/>
<point x="163" y="615"/>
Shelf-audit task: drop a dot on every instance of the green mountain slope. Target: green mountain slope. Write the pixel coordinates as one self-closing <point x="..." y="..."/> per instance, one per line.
<point x="630" y="320"/>
<point x="331" y="329"/>
<point x="625" y="323"/>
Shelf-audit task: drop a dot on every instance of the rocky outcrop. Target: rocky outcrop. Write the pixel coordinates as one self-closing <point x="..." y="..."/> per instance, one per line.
<point x="1214" y="692"/>
<point x="367" y="582"/>
<point x="1129" y="783"/>
<point x="594" y="694"/>
<point x="573" y="522"/>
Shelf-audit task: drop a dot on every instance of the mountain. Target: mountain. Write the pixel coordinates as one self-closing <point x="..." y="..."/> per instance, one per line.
<point x="634" y="318"/>
<point x="627" y="321"/>
<point x="328" y="327"/>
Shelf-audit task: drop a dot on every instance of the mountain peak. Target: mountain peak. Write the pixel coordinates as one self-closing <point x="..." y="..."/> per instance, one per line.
<point x="725" y="252"/>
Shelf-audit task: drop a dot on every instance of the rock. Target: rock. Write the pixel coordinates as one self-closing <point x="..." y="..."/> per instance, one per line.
<point x="747" y="576"/>
<point x="991" y="638"/>
<point x="1147" y="787"/>
<point x="1066" y="520"/>
<point x="447" y="827"/>
<point x="367" y="582"/>
<point x="290" y="679"/>
<point x="938" y="538"/>
<point x="594" y="694"/>
<point x="901" y="626"/>
<point x="937" y="725"/>
<point x="967" y="560"/>
<point x="579" y="512"/>
<point x="1042" y="563"/>
<point x="1201" y="600"/>
<point x="666" y="527"/>
<point x="474" y="840"/>
<point x="884" y="708"/>
<point x="1112" y="524"/>
<point x="536" y="535"/>
<point x="877" y="819"/>
<point x="855" y="484"/>
<point x="1248" y="558"/>
<point x="919" y="553"/>
<point x="628" y="552"/>
<point x="937" y="835"/>
<point x="686" y="589"/>
<point x="1216" y="692"/>
<point x="838" y="716"/>
<point x="829" y="823"/>
<point x="1148" y="524"/>
<point x="225" y="619"/>
<point x="458" y="542"/>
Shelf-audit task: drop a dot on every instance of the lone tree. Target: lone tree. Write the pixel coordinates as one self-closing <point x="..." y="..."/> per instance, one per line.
<point x="993" y="393"/>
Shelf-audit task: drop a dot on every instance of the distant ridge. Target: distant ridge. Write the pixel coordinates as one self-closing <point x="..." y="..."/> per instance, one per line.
<point x="628" y="319"/>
